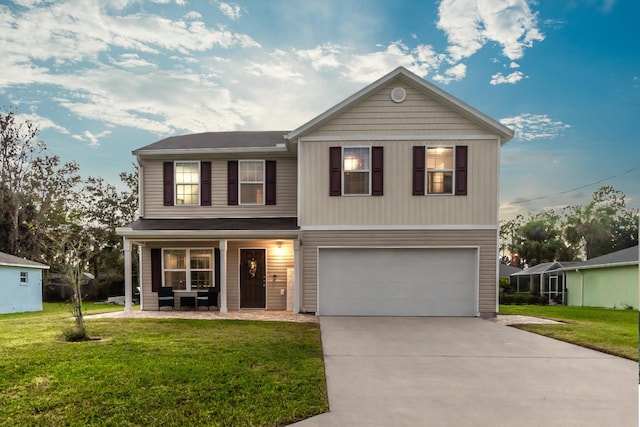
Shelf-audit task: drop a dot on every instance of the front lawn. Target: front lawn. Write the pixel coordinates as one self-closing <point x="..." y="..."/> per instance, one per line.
<point x="152" y="372"/>
<point x="607" y="330"/>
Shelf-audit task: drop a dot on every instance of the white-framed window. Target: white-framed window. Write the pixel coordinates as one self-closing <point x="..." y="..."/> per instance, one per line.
<point x="187" y="269"/>
<point x="24" y="278"/>
<point x="440" y="161"/>
<point x="187" y="183"/>
<point x="356" y="170"/>
<point x="251" y="178"/>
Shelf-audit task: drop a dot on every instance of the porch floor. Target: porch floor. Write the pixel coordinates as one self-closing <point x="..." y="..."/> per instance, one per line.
<point x="265" y="315"/>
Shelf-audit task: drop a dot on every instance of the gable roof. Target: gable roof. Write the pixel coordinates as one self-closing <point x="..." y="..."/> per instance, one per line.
<point x="628" y="256"/>
<point x="545" y="267"/>
<point x="15" y="261"/>
<point x="211" y="142"/>
<point x="508" y="270"/>
<point x="419" y="83"/>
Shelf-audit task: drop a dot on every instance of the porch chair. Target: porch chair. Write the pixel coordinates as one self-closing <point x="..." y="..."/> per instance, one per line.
<point x="165" y="297"/>
<point x="208" y="298"/>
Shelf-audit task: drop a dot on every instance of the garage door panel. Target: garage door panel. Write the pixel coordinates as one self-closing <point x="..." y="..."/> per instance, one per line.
<point x="392" y="282"/>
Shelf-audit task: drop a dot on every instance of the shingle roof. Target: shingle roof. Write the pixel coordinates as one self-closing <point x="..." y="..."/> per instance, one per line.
<point x="15" y="261"/>
<point x="217" y="140"/>
<point x="545" y="267"/>
<point x="624" y="256"/>
<point x="508" y="270"/>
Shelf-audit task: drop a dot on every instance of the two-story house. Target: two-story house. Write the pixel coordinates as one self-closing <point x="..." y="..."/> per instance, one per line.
<point x="385" y="204"/>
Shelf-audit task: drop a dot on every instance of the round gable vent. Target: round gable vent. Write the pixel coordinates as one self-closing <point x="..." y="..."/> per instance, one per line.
<point x="398" y="94"/>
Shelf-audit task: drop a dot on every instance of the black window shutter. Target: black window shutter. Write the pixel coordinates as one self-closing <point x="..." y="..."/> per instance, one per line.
<point x="156" y="269"/>
<point x="270" y="184"/>
<point x="335" y="171"/>
<point x="377" y="179"/>
<point x="216" y="266"/>
<point x="205" y="183"/>
<point x="418" y="170"/>
<point x="461" y="170"/>
<point x="167" y="183"/>
<point x="232" y="182"/>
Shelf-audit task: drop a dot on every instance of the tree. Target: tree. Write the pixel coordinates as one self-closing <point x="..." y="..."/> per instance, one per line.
<point x="539" y="240"/>
<point x="602" y="226"/>
<point x="19" y="147"/>
<point x="73" y="248"/>
<point x="107" y="208"/>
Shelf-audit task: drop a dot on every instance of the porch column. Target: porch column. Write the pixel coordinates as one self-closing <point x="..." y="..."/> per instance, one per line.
<point x="223" y="275"/>
<point x="297" y="271"/>
<point x="126" y="243"/>
<point x="140" y="276"/>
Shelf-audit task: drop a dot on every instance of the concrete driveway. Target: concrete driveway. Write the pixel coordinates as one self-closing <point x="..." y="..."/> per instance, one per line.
<point x="467" y="372"/>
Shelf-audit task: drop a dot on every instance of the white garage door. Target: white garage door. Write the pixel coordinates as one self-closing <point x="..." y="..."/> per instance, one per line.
<point x="397" y="282"/>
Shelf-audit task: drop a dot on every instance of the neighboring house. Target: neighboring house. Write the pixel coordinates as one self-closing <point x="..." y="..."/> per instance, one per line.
<point x="385" y="204"/>
<point x="606" y="281"/>
<point x="505" y="272"/>
<point x="20" y="284"/>
<point x="547" y="279"/>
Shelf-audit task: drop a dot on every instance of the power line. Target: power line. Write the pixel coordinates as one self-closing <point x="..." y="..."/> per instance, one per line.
<point x="577" y="188"/>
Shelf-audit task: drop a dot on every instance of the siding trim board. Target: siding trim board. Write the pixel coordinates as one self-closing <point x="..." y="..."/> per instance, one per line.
<point x="398" y="227"/>
<point x="330" y="138"/>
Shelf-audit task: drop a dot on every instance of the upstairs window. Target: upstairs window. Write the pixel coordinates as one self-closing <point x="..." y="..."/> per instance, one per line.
<point x="251" y="182"/>
<point x="356" y="169"/>
<point x="24" y="278"/>
<point x="187" y="183"/>
<point x="440" y="170"/>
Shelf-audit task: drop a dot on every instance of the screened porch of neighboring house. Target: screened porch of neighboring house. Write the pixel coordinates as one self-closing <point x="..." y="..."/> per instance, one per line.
<point x="544" y="279"/>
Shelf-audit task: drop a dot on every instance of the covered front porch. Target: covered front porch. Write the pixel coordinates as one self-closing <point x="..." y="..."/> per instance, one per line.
<point x="252" y="264"/>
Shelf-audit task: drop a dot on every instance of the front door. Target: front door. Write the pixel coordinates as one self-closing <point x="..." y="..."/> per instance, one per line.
<point x="253" y="279"/>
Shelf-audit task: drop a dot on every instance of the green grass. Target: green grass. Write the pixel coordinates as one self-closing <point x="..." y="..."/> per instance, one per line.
<point x="607" y="330"/>
<point x="152" y="372"/>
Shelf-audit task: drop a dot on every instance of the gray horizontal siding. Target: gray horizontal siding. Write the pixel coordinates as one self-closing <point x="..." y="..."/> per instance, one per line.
<point x="418" y="114"/>
<point x="286" y="194"/>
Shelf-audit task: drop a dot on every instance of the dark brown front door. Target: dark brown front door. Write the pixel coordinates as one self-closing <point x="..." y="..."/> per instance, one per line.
<point x="252" y="278"/>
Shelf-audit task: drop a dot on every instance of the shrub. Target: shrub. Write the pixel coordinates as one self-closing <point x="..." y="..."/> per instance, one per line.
<point x="519" y="298"/>
<point x="75" y="334"/>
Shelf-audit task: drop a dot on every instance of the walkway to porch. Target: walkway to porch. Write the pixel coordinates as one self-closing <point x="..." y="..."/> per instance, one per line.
<point x="266" y="315"/>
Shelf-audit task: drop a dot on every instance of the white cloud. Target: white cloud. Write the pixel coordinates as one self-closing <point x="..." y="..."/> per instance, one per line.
<point x="193" y="15"/>
<point x="529" y="127"/>
<point x="94" y="140"/>
<point x="498" y="78"/>
<point x="455" y="73"/>
<point x="321" y="57"/>
<point x="470" y="24"/>
<point x="230" y="10"/>
<point x="365" y="68"/>
<point x="75" y="30"/>
<point x="514" y="65"/>
<point x="131" y="60"/>
<point x="41" y="122"/>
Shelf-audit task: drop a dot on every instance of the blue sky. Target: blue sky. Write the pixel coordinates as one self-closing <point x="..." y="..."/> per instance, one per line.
<point x="103" y="78"/>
